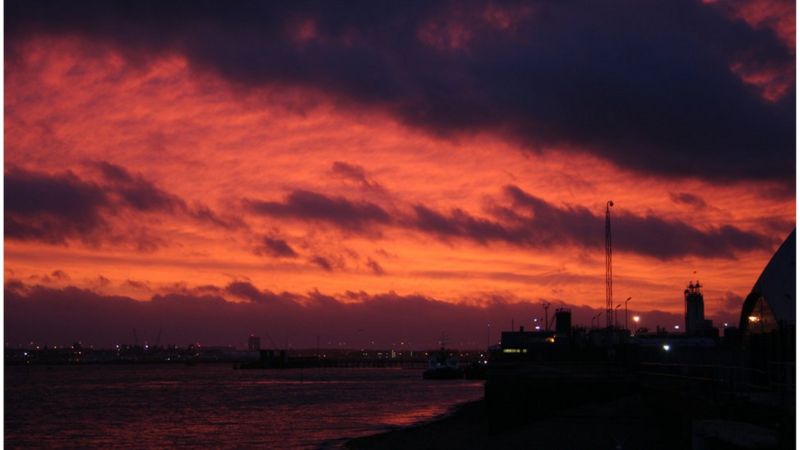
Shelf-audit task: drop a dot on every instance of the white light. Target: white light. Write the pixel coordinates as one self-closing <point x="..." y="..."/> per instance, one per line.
<point x="726" y="324"/>
<point x="665" y="347"/>
<point x="677" y="327"/>
<point x="636" y="319"/>
<point x="538" y="327"/>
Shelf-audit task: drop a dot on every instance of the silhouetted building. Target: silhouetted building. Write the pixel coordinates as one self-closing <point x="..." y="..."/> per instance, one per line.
<point x="563" y="322"/>
<point x="521" y="341"/>
<point x="695" y="315"/>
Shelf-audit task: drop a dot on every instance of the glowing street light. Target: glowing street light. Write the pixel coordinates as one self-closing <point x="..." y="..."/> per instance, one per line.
<point x="636" y="320"/>
<point x="665" y="347"/>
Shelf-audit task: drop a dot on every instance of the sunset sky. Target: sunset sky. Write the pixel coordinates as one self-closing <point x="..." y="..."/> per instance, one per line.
<point x="383" y="172"/>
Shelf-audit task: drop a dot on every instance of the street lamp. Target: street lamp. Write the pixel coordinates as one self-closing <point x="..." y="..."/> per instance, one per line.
<point x="597" y="318"/>
<point x="626" y="312"/>
<point x="615" y="315"/>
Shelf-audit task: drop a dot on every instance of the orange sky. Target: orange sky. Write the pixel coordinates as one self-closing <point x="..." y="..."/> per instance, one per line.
<point x="215" y="149"/>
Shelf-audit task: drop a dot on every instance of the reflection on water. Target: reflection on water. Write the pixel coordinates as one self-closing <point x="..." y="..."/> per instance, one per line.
<point x="216" y="406"/>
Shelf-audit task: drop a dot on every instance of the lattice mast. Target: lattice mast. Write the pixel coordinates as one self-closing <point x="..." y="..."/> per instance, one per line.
<point x="609" y="278"/>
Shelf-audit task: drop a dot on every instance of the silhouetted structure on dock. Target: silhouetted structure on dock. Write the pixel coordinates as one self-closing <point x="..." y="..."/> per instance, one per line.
<point x="727" y="393"/>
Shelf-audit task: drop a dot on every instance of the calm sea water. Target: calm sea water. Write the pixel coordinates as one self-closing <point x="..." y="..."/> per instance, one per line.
<point x="214" y="406"/>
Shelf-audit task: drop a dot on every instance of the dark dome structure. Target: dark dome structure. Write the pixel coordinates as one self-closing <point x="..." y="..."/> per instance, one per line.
<point x="772" y="300"/>
<point x="767" y="322"/>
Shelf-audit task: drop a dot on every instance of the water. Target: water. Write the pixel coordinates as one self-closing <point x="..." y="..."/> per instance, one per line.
<point x="214" y="406"/>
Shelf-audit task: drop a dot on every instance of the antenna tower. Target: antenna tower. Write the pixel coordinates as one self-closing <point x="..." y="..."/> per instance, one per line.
<point x="609" y="282"/>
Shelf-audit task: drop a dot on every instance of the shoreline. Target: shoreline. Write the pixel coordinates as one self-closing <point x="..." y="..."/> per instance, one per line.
<point x="630" y="421"/>
<point x="458" y="421"/>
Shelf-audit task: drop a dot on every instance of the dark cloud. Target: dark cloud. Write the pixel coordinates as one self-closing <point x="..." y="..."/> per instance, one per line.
<point x="322" y="262"/>
<point x="137" y="285"/>
<point x="523" y="220"/>
<point x="663" y="238"/>
<point x="244" y="290"/>
<point x="375" y="267"/>
<point x="113" y="172"/>
<point x="530" y="221"/>
<point x="460" y="224"/>
<point x="649" y="235"/>
<point x="60" y="275"/>
<point x="277" y="247"/>
<point x="203" y="213"/>
<point x="52" y="208"/>
<point x="685" y="198"/>
<point x="63" y="316"/>
<point x="55" y="208"/>
<point x="356" y="174"/>
<point x="311" y="206"/>
<point x="646" y="84"/>
<point x="137" y="193"/>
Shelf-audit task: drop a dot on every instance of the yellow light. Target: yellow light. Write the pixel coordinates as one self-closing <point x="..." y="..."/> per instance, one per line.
<point x="753" y="318"/>
<point x="636" y="319"/>
<point x="511" y="350"/>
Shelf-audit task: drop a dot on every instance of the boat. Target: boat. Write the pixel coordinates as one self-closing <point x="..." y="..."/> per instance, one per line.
<point x="441" y="366"/>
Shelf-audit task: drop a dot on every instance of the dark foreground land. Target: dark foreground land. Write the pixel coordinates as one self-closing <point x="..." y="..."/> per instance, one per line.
<point x="624" y="423"/>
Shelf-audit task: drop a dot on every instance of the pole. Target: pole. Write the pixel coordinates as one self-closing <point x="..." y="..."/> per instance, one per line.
<point x="626" y="313"/>
<point x="546" y="305"/>
<point x="609" y="276"/>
